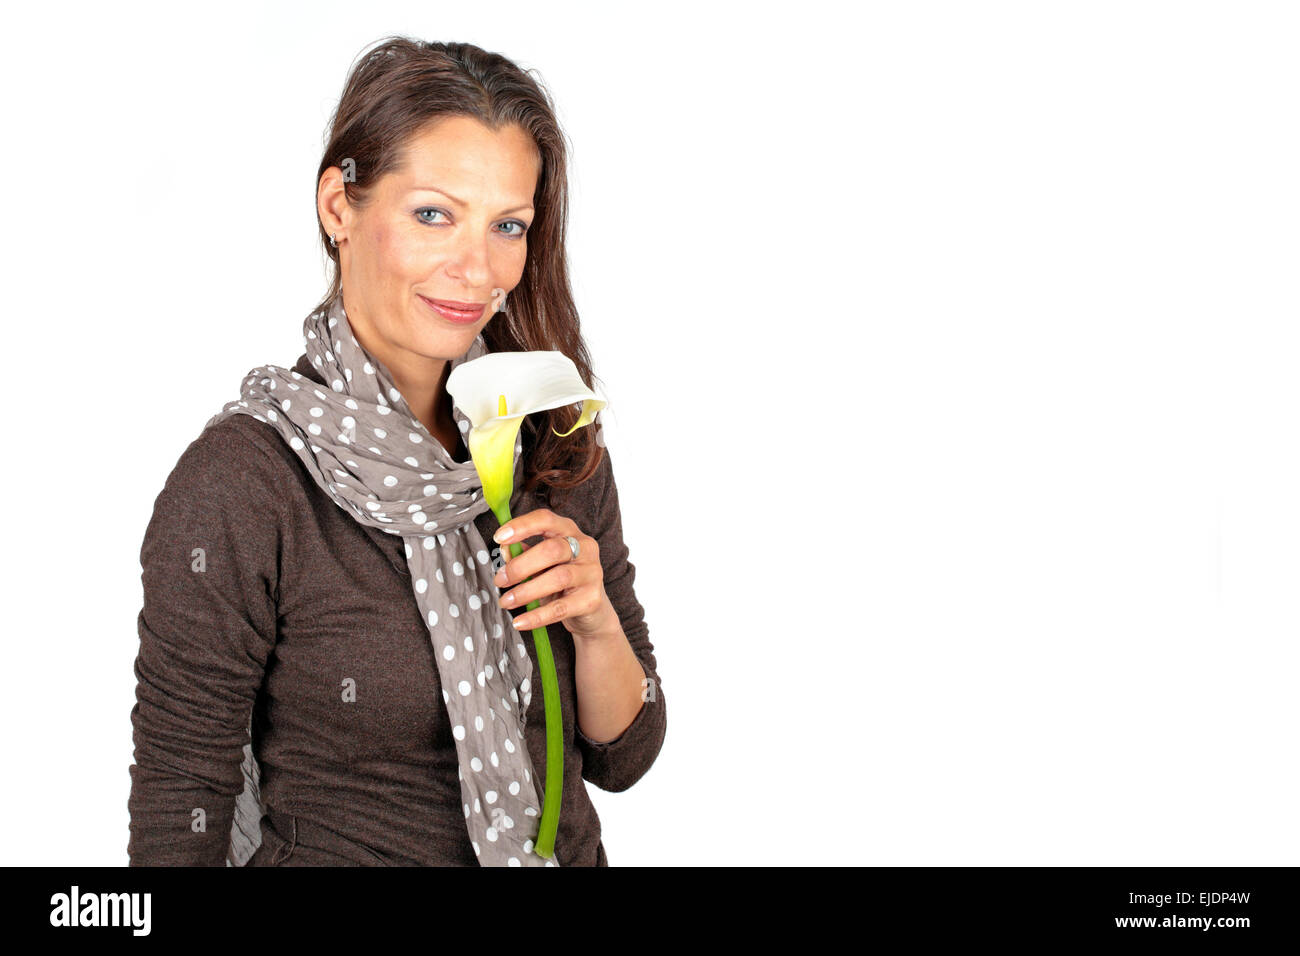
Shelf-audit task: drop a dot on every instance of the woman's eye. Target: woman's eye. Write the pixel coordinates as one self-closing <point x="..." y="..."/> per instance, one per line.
<point x="521" y="228"/>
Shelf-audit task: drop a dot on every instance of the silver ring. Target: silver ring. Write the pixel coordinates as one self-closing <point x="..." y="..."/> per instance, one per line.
<point x="573" y="545"/>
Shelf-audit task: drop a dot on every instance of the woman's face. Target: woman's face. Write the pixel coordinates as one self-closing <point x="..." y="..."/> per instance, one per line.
<point x="450" y="224"/>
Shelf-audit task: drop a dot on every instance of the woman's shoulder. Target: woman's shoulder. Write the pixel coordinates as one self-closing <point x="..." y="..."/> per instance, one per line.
<point x="239" y="439"/>
<point x="237" y="459"/>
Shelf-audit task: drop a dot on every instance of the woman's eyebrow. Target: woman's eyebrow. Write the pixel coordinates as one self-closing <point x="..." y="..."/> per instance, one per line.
<point x="460" y="202"/>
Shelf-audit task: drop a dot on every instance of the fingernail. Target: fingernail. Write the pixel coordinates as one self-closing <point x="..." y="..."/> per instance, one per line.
<point x="503" y="535"/>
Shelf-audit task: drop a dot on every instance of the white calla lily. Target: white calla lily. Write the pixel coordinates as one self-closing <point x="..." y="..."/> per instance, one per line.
<point x="495" y="391"/>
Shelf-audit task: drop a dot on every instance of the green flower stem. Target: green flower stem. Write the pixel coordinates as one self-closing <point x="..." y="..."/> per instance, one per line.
<point x="545" y="846"/>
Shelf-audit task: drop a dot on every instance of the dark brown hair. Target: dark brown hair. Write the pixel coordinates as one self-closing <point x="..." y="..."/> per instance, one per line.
<point x="396" y="89"/>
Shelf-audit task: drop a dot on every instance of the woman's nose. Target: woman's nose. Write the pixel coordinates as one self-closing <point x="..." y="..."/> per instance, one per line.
<point x="471" y="258"/>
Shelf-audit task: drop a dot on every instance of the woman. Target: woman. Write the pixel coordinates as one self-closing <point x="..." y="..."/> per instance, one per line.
<point x="303" y="620"/>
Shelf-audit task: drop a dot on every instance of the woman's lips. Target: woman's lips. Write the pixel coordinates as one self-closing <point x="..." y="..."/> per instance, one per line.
<point x="459" y="312"/>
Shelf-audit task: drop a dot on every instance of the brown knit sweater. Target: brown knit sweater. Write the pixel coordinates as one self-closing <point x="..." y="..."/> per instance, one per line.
<point x="290" y="598"/>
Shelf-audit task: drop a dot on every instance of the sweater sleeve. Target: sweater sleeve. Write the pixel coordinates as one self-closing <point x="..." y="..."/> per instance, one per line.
<point x="210" y="561"/>
<point x="617" y="764"/>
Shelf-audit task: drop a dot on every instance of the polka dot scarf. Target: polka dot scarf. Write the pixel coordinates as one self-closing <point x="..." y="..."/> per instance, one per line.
<point x="359" y="440"/>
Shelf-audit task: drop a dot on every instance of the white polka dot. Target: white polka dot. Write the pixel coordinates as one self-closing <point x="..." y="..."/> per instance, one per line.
<point x="317" y="412"/>
<point x="369" y="369"/>
<point x="433" y="618"/>
<point x="457" y="569"/>
<point x="490" y="796"/>
<point x="496" y="761"/>
<point x="514" y="787"/>
<point x="421" y="586"/>
<point x="380" y="433"/>
<point x="476" y="764"/>
<point x="389" y="480"/>
<point x="458" y="732"/>
<point x="464" y="688"/>
<point x="514" y="861"/>
<point x="454" y="611"/>
<point x="419" y="517"/>
<point x="448" y="652"/>
<point x="415" y="438"/>
<point x="296" y="443"/>
<point x="492" y="834"/>
<point x="510" y="748"/>
<point x="469" y="642"/>
<point x="478" y="722"/>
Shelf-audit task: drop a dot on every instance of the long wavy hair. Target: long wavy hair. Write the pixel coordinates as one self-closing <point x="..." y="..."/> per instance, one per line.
<point x="394" y="90"/>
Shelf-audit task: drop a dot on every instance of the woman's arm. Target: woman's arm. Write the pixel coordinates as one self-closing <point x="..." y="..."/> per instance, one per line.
<point x="210" y="561"/>
<point x="619" y="763"/>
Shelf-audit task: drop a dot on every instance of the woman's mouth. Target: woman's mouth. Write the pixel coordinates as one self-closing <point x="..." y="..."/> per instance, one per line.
<point x="462" y="313"/>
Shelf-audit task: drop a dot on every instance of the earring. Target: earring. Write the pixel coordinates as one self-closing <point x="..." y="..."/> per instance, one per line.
<point x="332" y="242"/>
<point x="499" y="306"/>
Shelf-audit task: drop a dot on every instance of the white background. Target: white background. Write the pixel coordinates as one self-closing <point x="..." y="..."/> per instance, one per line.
<point x="952" y="358"/>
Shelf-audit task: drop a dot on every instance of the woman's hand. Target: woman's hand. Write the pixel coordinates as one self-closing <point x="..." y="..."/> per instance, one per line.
<point x="570" y="591"/>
